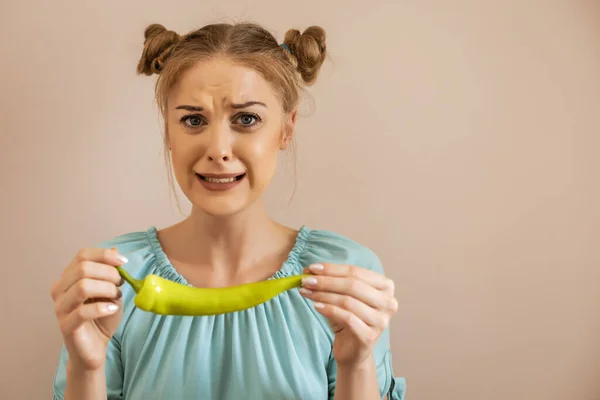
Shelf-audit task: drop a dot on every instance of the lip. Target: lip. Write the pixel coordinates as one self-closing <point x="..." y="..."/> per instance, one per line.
<point x="220" y="187"/>
<point x="220" y="176"/>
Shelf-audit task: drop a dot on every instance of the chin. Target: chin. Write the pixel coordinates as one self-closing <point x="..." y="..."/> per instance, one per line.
<point x="219" y="208"/>
<point x="223" y="205"/>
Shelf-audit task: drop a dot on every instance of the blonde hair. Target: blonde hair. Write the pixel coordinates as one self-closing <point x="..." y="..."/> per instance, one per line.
<point x="288" y="66"/>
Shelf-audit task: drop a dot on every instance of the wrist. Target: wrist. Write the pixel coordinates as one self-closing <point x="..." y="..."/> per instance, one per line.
<point x="81" y="370"/>
<point x="362" y="366"/>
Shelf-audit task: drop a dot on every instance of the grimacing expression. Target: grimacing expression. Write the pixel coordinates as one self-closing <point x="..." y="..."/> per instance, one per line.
<point x="225" y="127"/>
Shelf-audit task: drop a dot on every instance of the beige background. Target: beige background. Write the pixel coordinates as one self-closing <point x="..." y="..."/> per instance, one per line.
<point x="458" y="139"/>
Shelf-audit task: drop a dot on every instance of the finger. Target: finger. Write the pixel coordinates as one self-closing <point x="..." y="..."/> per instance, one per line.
<point x="370" y="316"/>
<point x="83" y="290"/>
<point x="90" y="270"/>
<point x="345" y="319"/>
<point x="106" y="256"/>
<point x="99" y="255"/>
<point x="86" y="312"/>
<point x="375" y="279"/>
<point x="348" y="286"/>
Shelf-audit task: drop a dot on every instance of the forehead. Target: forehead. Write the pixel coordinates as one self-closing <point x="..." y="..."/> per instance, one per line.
<point x="221" y="81"/>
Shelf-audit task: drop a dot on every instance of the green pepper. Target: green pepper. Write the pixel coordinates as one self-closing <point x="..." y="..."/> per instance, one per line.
<point x="163" y="296"/>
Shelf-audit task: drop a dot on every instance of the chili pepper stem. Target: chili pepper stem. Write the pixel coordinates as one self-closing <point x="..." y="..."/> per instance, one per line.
<point x="136" y="284"/>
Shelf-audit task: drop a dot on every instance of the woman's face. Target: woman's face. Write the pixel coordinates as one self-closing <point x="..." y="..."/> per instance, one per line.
<point x="225" y="128"/>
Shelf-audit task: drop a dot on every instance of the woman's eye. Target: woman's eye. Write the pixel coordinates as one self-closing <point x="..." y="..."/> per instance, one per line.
<point x="248" y="119"/>
<point x="192" y="121"/>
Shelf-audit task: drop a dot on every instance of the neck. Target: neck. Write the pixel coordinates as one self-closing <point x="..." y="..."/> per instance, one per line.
<point x="230" y="247"/>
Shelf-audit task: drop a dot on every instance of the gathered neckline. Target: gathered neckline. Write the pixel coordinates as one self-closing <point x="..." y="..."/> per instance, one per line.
<point x="165" y="269"/>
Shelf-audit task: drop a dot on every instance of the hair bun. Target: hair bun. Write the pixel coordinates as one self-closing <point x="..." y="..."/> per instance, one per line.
<point x="158" y="43"/>
<point x="309" y="49"/>
<point x="153" y="31"/>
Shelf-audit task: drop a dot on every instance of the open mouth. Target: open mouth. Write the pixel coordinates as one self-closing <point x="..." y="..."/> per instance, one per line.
<point x="214" y="179"/>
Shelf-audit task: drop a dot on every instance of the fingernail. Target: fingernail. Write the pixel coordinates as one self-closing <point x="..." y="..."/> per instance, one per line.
<point x="119" y="293"/>
<point x="120" y="258"/>
<point x="304" y="291"/>
<point x="309" y="281"/>
<point x="121" y="282"/>
<point x="112" y="307"/>
<point x="316" y="267"/>
<point x="319" y="305"/>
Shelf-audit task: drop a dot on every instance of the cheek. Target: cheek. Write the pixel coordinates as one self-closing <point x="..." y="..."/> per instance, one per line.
<point x="180" y="157"/>
<point x="260" y="157"/>
<point x="184" y="148"/>
<point x="184" y="156"/>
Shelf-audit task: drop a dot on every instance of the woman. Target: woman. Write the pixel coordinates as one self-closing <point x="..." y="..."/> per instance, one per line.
<point x="228" y="96"/>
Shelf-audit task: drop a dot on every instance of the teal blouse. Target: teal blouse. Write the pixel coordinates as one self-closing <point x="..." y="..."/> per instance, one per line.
<point x="281" y="349"/>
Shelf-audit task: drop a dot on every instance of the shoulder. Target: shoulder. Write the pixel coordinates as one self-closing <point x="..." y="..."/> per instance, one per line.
<point x="129" y="242"/>
<point x="333" y="247"/>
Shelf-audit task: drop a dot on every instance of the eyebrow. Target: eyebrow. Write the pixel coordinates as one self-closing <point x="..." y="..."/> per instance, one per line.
<point x="189" y="108"/>
<point x="248" y="104"/>
<point x="233" y="105"/>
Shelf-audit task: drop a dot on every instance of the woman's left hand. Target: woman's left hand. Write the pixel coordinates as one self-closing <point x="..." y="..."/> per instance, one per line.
<point x="358" y="304"/>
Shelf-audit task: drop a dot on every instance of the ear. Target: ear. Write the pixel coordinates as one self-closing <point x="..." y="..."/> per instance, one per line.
<point x="288" y="130"/>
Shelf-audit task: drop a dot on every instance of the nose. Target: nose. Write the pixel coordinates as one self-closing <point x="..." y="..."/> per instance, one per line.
<point x="219" y="146"/>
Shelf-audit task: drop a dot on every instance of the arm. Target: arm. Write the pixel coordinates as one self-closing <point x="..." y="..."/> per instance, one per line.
<point x="358" y="303"/>
<point x="74" y="382"/>
<point x="83" y="384"/>
<point x="88" y="305"/>
<point x="357" y="382"/>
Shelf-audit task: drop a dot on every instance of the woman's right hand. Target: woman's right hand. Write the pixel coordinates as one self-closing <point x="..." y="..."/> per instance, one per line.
<point x="87" y="303"/>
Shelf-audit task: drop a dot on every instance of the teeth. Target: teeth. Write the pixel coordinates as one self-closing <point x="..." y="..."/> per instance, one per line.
<point x="219" y="180"/>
